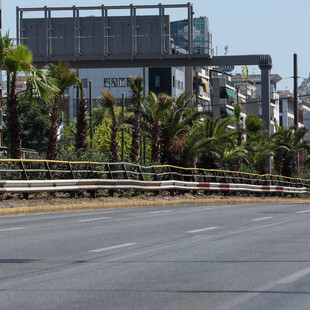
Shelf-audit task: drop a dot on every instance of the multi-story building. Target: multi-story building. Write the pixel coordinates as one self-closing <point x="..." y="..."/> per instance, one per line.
<point x="225" y="95"/>
<point x="198" y="86"/>
<point x="286" y="109"/>
<point x="252" y="90"/>
<point x="201" y="31"/>
<point x="197" y="83"/>
<point x="157" y="80"/>
<point x="115" y="80"/>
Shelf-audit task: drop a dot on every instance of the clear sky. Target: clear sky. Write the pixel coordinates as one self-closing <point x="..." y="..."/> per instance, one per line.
<point x="275" y="27"/>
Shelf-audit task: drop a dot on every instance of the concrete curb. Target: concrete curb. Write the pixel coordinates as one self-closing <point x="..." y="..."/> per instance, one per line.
<point x="143" y="203"/>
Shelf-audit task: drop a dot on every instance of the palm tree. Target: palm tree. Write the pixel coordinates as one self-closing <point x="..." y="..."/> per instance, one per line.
<point x="213" y="137"/>
<point x="153" y="112"/>
<point x="18" y="60"/>
<point x="65" y="78"/>
<point x="239" y="131"/>
<point x="109" y="102"/>
<point x="81" y="124"/>
<point x="287" y="144"/>
<point x="258" y="143"/>
<point x="176" y="126"/>
<point x="137" y="87"/>
<point x="233" y="157"/>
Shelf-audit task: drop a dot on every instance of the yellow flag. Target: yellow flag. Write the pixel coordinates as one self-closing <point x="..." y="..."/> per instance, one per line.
<point x="245" y="73"/>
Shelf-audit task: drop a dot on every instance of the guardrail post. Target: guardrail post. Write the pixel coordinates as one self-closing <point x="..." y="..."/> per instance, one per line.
<point x="92" y="192"/>
<point x="110" y="176"/>
<point x="216" y="177"/>
<point x="92" y="170"/>
<point x="205" y="177"/>
<point x="181" y="174"/>
<point x="24" y="177"/>
<point x="155" y="176"/>
<point x="71" y="170"/>
<point x="125" y="171"/>
<point x="48" y="174"/>
<point x="195" y="180"/>
<point x="170" y="173"/>
<point x="24" y="173"/>
<point x="172" y="191"/>
<point x="194" y="176"/>
<point x="141" y="176"/>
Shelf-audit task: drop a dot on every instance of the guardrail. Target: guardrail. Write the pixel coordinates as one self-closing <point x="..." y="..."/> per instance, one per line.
<point x="29" y="176"/>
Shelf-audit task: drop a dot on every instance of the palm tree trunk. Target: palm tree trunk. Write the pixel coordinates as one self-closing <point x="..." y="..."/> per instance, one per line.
<point x="156" y="143"/>
<point x="13" y="122"/>
<point x="52" y="149"/>
<point x="114" y="141"/>
<point x="81" y="126"/>
<point x="136" y="137"/>
<point x="239" y="142"/>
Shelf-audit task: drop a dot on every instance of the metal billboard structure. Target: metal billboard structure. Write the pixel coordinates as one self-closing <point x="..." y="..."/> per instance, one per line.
<point x="102" y="36"/>
<point x="106" y="41"/>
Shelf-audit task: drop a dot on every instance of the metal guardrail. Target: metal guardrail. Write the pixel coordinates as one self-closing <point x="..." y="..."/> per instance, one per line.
<point x="43" y="175"/>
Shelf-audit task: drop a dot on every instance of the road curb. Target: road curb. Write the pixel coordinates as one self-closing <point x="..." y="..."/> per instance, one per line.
<point x="144" y="203"/>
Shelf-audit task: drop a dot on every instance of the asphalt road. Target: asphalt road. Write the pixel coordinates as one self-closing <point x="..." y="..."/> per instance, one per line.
<point x="191" y="257"/>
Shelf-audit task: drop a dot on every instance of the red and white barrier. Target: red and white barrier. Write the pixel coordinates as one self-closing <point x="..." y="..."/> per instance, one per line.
<point x="118" y="184"/>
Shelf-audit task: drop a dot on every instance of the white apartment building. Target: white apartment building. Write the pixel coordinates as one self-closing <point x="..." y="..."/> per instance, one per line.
<point x="254" y="104"/>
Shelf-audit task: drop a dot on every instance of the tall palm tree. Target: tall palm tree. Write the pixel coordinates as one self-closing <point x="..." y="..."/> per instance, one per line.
<point x="18" y="60"/>
<point x="81" y="124"/>
<point x="137" y="87"/>
<point x="154" y="111"/>
<point x="65" y="78"/>
<point x="109" y="103"/>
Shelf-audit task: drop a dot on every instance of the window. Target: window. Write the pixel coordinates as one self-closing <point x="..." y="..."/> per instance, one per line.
<point x="182" y="85"/>
<point x="173" y="81"/>
<point x="179" y="84"/>
<point x="107" y="82"/>
<point x="128" y="82"/>
<point x="280" y="106"/>
<point x="114" y="82"/>
<point x="281" y="121"/>
<point x="122" y="82"/>
<point x="157" y="81"/>
<point x="85" y="83"/>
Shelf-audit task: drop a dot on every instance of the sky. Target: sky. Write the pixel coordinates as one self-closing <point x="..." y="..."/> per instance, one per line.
<point x="275" y="27"/>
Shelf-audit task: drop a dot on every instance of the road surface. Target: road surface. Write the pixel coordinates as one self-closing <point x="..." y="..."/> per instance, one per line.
<point x="184" y="257"/>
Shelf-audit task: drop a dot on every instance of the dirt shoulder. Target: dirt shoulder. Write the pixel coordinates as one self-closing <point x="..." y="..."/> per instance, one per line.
<point x="15" y="204"/>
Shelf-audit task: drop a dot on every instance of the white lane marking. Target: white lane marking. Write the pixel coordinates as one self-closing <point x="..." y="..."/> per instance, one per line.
<point x="295" y="276"/>
<point x="94" y="219"/>
<point x="262" y="218"/>
<point x="158" y="212"/>
<point x="13" y="228"/>
<point x="242" y="298"/>
<point x="112" y="247"/>
<point x="305" y="211"/>
<point x="202" y="229"/>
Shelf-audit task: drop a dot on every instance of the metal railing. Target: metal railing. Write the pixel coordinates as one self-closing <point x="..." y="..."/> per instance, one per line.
<point x="39" y="175"/>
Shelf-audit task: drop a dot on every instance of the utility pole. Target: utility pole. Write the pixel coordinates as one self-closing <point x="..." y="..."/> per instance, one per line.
<point x="91" y="115"/>
<point x="295" y="92"/>
<point x="296" y="102"/>
<point x="123" y="130"/>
